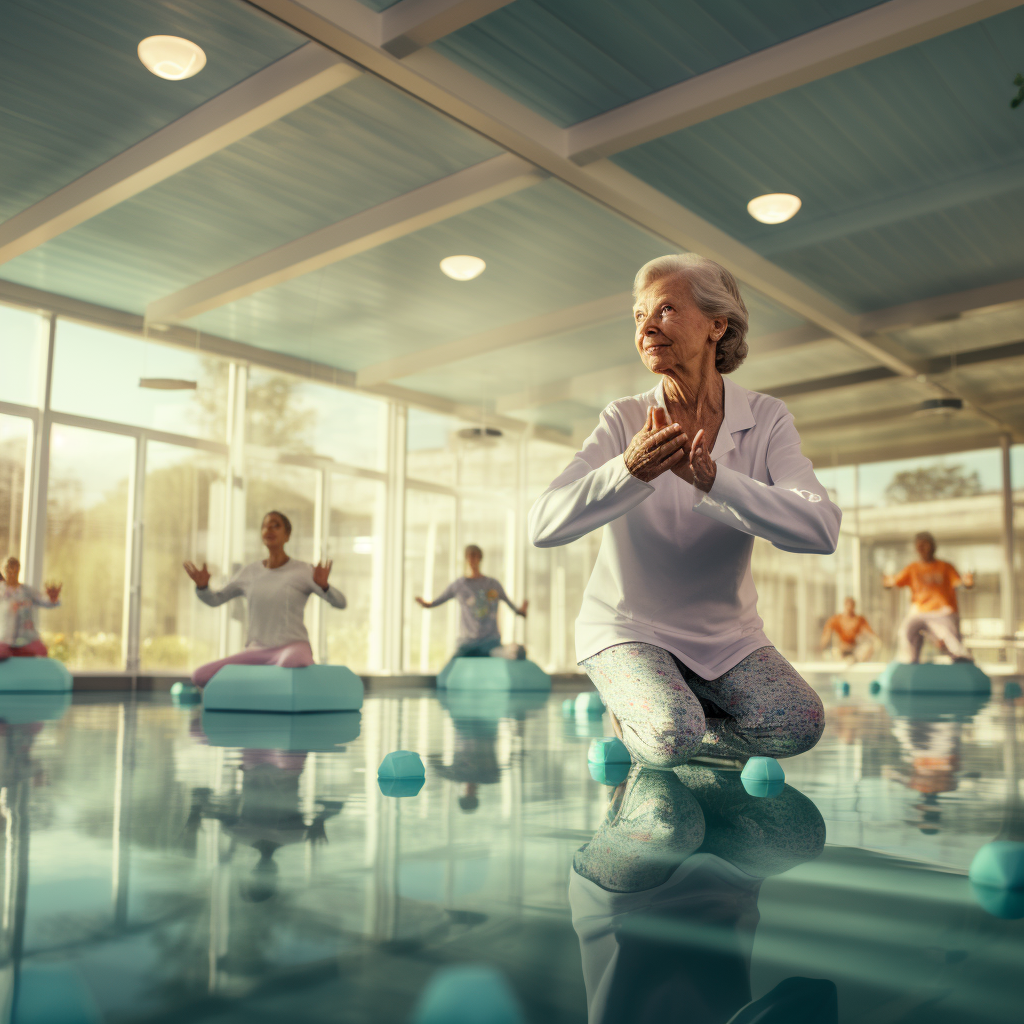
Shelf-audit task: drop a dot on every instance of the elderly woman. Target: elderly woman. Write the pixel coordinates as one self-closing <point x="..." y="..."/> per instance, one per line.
<point x="684" y="478"/>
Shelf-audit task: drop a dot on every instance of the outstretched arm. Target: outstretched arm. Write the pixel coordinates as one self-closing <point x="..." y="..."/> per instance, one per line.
<point x="793" y="512"/>
<point x="826" y="636"/>
<point x="446" y="595"/>
<point x="213" y="598"/>
<point x="52" y="599"/>
<point x="321" y="587"/>
<point x="896" y="579"/>
<point x="502" y="596"/>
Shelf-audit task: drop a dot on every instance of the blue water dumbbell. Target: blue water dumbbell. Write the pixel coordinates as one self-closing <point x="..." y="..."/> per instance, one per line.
<point x="998" y="865"/>
<point x="468" y="994"/>
<point x="842" y="688"/>
<point x="186" y="693"/>
<point x="875" y="688"/>
<point x="589" y="703"/>
<point x="400" y="787"/>
<point x="401" y="764"/>
<point x="608" y="774"/>
<point x="1011" y="691"/>
<point x="568" y="707"/>
<point x="763" y="769"/>
<point x="608" y="750"/>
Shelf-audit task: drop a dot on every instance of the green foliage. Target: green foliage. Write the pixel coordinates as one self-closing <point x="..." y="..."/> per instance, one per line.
<point x="932" y="484"/>
<point x="85" y="650"/>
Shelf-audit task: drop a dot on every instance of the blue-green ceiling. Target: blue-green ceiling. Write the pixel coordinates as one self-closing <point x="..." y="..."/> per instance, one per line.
<point x="573" y="59"/>
<point x="73" y="92"/>
<point x="910" y="168"/>
<point x="359" y="146"/>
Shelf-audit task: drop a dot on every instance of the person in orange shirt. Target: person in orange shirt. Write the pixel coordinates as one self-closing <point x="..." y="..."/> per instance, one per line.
<point x="933" y="607"/>
<point x="848" y="628"/>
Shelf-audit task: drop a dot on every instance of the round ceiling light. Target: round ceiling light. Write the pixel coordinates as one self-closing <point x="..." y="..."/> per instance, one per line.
<point x="463" y="268"/>
<point x="172" y="57"/>
<point x="773" y="208"/>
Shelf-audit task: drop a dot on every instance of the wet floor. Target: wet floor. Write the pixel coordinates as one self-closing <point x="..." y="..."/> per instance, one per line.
<point x="160" y="865"/>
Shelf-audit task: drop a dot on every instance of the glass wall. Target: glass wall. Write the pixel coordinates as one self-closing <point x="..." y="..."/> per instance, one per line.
<point x="15" y="448"/>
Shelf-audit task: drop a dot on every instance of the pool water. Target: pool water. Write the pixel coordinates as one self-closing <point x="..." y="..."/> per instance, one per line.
<point x="159" y="870"/>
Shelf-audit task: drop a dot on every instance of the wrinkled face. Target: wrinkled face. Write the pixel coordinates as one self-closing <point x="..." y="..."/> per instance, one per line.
<point x="926" y="549"/>
<point x="671" y="332"/>
<point x="473" y="560"/>
<point x="12" y="569"/>
<point x="849" y="606"/>
<point x="273" y="531"/>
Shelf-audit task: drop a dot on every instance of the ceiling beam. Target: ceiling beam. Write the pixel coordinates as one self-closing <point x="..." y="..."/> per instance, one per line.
<point x="586" y="314"/>
<point x="941" y="307"/>
<point x="412" y="24"/>
<point x="302" y="76"/>
<point x="449" y="196"/>
<point x="843" y="44"/>
<point x="829" y="456"/>
<point x="796" y="234"/>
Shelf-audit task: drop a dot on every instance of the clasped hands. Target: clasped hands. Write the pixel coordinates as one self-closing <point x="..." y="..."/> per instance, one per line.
<point x="659" y="446"/>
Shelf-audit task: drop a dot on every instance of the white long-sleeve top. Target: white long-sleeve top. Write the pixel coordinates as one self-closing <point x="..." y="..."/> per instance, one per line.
<point x="673" y="569"/>
<point x="277" y="600"/>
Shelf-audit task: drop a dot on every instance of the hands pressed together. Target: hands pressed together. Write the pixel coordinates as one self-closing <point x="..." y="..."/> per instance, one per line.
<point x="659" y="446"/>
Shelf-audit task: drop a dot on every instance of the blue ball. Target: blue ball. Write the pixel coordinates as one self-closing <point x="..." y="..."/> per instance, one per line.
<point x="468" y="994"/>
<point x="186" y="693"/>
<point x="763" y="769"/>
<point x="401" y="764"/>
<point x="608" y="774"/>
<point x="998" y="865"/>
<point x="875" y="687"/>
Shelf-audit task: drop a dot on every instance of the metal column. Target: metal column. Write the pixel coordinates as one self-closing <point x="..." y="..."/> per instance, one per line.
<point x="37" y="486"/>
<point x="1009" y="580"/>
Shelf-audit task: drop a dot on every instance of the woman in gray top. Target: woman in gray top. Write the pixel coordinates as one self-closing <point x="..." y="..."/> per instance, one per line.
<point x="478" y="597"/>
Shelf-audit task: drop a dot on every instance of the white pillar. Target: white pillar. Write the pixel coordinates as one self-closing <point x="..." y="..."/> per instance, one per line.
<point x="131" y="609"/>
<point x="36" y="488"/>
<point x="1008" y="581"/>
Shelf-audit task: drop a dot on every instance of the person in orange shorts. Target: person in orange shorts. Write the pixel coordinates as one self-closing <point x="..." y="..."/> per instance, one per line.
<point x="933" y="607"/>
<point x="849" y="629"/>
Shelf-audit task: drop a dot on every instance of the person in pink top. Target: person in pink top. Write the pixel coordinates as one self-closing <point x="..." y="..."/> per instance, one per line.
<point x="19" y="637"/>
<point x="277" y="589"/>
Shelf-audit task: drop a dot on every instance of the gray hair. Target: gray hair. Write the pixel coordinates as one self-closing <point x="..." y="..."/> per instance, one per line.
<point x="715" y="293"/>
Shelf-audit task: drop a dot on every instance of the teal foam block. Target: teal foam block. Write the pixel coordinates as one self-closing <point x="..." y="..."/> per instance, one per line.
<point x="998" y="865"/>
<point x="400" y="787"/>
<point x="934" y="707"/>
<point x="1011" y="690"/>
<point x="610" y="774"/>
<point x="608" y="750"/>
<point x="589" y="703"/>
<point x="468" y="994"/>
<point x="960" y="677"/>
<point x="490" y="705"/>
<point x="186" y="693"/>
<point x="496" y="674"/>
<point x="272" y="688"/>
<point x="401" y="764"/>
<point x="763" y="769"/>
<point x="43" y="675"/>
<point x="762" y="788"/>
<point x="268" y="730"/>
<point x="24" y="708"/>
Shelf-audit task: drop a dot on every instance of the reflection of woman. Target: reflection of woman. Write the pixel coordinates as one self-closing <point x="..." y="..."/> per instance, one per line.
<point x="683" y="478"/>
<point x="276" y="590"/>
<point x="19" y="637"/>
<point x="478" y="596"/>
<point x="664" y="899"/>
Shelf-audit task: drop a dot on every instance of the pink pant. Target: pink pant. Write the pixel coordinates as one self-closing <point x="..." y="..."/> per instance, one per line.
<point x="33" y="649"/>
<point x="297" y="655"/>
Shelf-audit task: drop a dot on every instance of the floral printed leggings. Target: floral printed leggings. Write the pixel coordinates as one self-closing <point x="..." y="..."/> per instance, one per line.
<point x="668" y="713"/>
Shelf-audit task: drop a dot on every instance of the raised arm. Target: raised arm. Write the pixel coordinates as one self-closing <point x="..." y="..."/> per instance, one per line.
<point x="793" y="511"/>
<point x="201" y="578"/>
<point x="322" y="588"/>
<point x="826" y="635"/>
<point x="608" y="477"/>
<point x="502" y="596"/>
<point x="446" y="595"/>
<point x="52" y="600"/>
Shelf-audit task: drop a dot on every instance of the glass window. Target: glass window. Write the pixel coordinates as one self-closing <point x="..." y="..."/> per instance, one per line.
<point x="183" y="516"/>
<point x="22" y="335"/>
<point x="431" y="562"/>
<point x="15" y="445"/>
<point x="430" y="447"/>
<point x="356" y="545"/>
<point x="86" y="533"/>
<point x="301" y="416"/>
<point x="96" y="373"/>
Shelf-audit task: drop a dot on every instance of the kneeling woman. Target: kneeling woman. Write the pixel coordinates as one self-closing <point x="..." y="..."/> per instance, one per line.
<point x="19" y="637"/>
<point x="277" y="590"/>
<point x="684" y="478"/>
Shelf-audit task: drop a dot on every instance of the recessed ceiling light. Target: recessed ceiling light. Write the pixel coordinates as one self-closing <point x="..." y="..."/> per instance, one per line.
<point x="773" y="208"/>
<point x="463" y="268"/>
<point x="172" y="57"/>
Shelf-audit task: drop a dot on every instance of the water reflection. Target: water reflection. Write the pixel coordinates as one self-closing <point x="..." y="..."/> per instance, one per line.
<point x="664" y="899"/>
